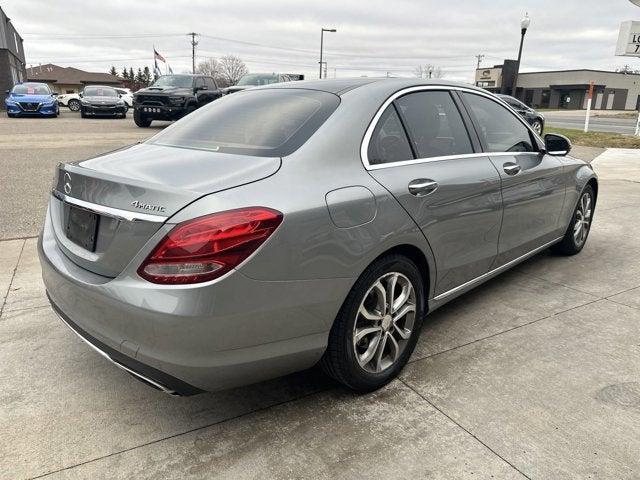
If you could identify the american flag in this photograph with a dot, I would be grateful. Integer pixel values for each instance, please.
(157, 56)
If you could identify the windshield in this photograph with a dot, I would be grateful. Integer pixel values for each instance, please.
(182, 81)
(99, 92)
(258, 79)
(31, 89)
(266, 123)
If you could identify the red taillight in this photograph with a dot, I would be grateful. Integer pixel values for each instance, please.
(208, 247)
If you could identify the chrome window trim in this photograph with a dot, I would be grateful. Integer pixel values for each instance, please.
(110, 211)
(495, 271)
(364, 146)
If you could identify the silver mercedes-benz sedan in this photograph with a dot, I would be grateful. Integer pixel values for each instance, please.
(303, 223)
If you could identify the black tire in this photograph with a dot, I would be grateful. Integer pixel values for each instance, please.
(140, 119)
(82, 114)
(339, 360)
(73, 105)
(570, 245)
(190, 108)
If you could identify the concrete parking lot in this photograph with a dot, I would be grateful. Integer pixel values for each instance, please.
(535, 374)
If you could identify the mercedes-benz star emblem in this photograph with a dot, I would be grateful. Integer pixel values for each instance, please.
(67, 183)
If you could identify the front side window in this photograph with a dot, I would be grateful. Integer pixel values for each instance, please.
(389, 141)
(211, 85)
(434, 124)
(266, 123)
(498, 128)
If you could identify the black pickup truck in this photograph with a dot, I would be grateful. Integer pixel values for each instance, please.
(172, 97)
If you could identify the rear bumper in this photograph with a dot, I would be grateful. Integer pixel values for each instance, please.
(211, 336)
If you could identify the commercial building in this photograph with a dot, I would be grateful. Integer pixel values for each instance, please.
(12, 63)
(564, 88)
(69, 79)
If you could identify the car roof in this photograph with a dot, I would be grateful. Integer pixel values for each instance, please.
(340, 86)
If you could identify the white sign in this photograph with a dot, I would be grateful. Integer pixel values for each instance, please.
(629, 39)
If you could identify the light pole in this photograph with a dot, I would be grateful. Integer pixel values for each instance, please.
(524, 24)
(322, 30)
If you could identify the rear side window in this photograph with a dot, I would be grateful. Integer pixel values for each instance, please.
(211, 85)
(499, 129)
(389, 142)
(434, 124)
(266, 123)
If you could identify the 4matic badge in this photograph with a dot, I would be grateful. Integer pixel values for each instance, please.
(147, 206)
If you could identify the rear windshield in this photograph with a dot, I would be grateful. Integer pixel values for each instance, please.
(265, 123)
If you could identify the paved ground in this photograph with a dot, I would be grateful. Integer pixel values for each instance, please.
(536, 375)
(599, 121)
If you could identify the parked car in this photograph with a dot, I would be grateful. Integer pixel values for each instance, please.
(172, 97)
(300, 223)
(258, 79)
(31, 99)
(70, 100)
(534, 118)
(102, 101)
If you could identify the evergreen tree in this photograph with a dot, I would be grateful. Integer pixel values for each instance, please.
(139, 77)
(113, 71)
(125, 73)
(132, 76)
(146, 74)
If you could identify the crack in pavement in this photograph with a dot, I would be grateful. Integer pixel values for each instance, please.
(410, 387)
(13, 276)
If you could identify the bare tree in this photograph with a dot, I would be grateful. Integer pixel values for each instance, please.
(428, 71)
(232, 68)
(211, 67)
(627, 70)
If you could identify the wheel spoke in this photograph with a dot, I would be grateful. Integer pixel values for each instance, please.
(391, 288)
(370, 351)
(408, 307)
(395, 348)
(402, 298)
(380, 352)
(403, 332)
(371, 316)
(381, 294)
(363, 332)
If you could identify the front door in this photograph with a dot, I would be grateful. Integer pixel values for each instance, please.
(533, 188)
(421, 152)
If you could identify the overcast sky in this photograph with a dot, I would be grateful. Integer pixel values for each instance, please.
(374, 37)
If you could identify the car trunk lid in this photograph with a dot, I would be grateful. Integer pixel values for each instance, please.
(105, 209)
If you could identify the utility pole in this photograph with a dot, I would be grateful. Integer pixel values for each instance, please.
(480, 57)
(193, 51)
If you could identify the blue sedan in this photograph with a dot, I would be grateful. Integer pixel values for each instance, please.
(31, 99)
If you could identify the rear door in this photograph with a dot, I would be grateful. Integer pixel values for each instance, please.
(421, 151)
(533, 187)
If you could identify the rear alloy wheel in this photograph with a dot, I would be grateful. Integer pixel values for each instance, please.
(73, 105)
(537, 127)
(378, 325)
(576, 235)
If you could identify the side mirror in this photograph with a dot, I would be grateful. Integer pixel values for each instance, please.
(80, 94)
(54, 94)
(556, 145)
(7, 92)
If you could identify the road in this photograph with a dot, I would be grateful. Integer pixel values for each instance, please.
(575, 120)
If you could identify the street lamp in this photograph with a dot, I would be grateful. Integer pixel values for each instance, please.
(524, 24)
(322, 30)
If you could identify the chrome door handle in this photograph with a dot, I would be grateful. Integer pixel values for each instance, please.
(422, 186)
(511, 168)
